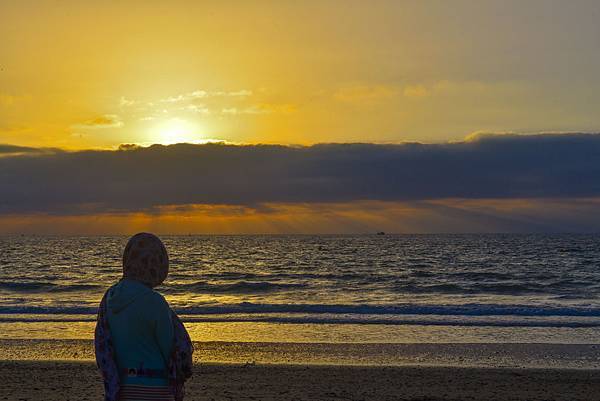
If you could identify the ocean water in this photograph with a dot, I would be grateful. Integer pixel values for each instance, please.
(322, 289)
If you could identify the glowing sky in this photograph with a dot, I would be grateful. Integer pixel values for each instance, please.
(88, 74)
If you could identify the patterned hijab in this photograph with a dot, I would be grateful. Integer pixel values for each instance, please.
(145, 259)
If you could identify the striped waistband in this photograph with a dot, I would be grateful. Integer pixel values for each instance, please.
(130, 392)
(141, 372)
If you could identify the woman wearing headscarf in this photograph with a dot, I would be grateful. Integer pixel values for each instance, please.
(142, 348)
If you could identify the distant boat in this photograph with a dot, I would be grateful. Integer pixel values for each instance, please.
(380, 233)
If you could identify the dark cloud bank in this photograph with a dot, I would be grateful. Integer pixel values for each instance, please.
(498, 166)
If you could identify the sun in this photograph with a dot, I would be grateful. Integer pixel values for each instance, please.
(176, 130)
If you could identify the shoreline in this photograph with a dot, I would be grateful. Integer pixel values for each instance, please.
(466, 355)
(80, 380)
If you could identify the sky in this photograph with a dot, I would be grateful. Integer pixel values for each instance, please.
(428, 87)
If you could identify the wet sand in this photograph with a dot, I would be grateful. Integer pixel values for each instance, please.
(473, 355)
(54, 381)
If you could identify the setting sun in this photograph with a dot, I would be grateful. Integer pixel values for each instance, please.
(176, 130)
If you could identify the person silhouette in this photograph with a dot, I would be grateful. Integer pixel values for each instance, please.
(142, 348)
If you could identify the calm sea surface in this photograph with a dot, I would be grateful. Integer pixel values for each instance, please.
(388, 288)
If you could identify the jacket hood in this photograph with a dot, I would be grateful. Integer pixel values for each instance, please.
(124, 293)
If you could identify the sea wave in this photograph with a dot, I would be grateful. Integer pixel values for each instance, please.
(559, 288)
(238, 287)
(332, 319)
(324, 276)
(476, 310)
(42, 286)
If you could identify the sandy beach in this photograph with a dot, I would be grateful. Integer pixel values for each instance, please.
(64, 381)
(47, 370)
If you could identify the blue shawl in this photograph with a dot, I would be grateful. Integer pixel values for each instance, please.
(180, 362)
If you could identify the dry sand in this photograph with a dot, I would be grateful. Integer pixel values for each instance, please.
(49, 381)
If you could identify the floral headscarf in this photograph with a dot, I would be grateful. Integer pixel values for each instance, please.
(145, 259)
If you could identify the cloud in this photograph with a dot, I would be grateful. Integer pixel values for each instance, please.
(416, 91)
(561, 166)
(129, 146)
(124, 102)
(14, 151)
(238, 93)
(460, 88)
(365, 93)
(105, 121)
(262, 108)
(197, 108)
(198, 102)
(200, 94)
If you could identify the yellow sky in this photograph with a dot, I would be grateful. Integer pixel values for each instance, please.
(96, 74)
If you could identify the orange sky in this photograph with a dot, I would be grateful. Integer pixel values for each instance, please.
(367, 217)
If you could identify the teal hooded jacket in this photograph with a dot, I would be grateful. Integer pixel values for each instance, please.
(142, 331)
